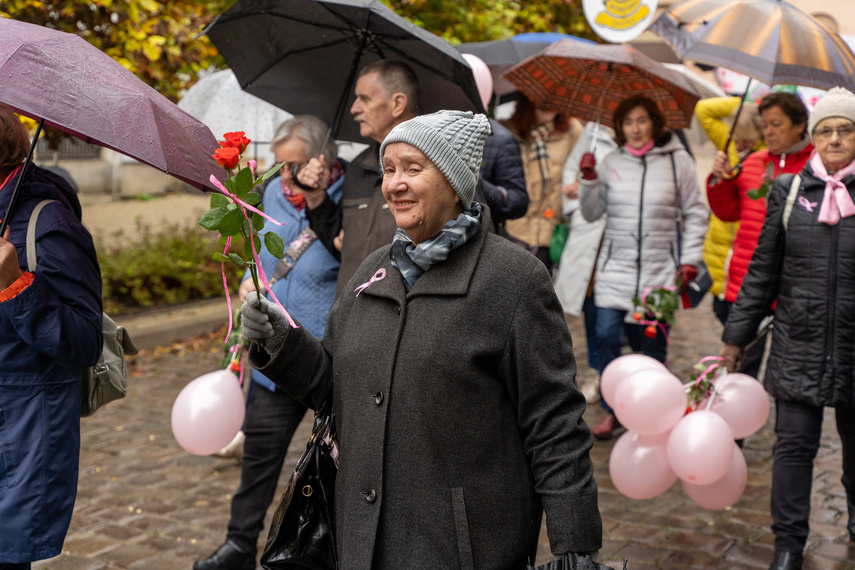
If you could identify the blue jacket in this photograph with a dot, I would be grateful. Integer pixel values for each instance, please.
(48, 333)
(308, 292)
(503, 175)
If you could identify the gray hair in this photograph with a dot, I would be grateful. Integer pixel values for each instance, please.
(312, 131)
(14, 140)
(396, 77)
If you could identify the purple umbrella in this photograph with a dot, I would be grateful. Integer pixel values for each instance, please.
(64, 81)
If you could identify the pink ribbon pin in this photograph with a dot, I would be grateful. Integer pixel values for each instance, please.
(381, 274)
(809, 206)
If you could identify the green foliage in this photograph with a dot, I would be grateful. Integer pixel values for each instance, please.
(659, 304)
(159, 41)
(482, 20)
(164, 267)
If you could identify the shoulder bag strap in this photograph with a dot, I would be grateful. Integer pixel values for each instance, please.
(295, 249)
(678, 211)
(791, 199)
(31, 234)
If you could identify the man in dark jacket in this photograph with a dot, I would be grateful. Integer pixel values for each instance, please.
(50, 329)
(387, 93)
(503, 176)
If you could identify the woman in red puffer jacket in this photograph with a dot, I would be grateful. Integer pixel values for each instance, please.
(739, 195)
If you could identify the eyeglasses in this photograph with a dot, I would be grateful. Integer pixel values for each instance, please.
(842, 132)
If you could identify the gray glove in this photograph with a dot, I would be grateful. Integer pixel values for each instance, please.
(264, 323)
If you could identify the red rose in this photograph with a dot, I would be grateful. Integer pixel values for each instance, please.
(227, 157)
(234, 366)
(637, 316)
(650, 331)
(235, 140)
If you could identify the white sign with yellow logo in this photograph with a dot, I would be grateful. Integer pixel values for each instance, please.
(619, 21)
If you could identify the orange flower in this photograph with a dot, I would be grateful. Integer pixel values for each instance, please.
(650, 331)
(549, 214)
(235, 140)
(637, 316)
(227, 157)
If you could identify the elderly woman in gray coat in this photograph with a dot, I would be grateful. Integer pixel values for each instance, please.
(449, 366)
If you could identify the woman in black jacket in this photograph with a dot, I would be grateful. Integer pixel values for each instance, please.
(805, 259)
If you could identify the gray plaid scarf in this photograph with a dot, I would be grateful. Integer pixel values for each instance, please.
(413, 260)
(539, 136)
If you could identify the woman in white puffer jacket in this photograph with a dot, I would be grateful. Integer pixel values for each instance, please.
(656, 222)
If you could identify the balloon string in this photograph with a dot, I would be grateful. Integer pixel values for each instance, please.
(226, 287)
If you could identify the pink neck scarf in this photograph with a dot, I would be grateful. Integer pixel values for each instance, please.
(639, 152)
(836, 201)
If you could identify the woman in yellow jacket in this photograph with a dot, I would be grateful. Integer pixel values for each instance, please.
(747, 138)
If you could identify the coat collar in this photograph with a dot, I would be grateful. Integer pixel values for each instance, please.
(450, 277)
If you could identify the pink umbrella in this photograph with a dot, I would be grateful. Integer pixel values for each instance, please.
(61, 80)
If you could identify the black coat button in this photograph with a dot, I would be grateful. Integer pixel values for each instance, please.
(378, 398)
(370, 496)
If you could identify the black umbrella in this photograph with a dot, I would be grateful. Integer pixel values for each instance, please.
(500, 56)
(303, 55)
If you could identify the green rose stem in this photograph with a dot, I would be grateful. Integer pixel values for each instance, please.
(236, 211)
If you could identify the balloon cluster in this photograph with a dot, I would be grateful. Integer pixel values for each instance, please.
(685, 432)
(208, 412)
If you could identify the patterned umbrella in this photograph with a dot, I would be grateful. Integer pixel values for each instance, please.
(769, 40)
(588, 81)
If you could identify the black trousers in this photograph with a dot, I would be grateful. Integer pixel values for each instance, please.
(15, 566)
(271, 420)
(798, 429)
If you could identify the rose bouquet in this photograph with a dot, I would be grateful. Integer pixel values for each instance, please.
(237, 215)
(655, 308)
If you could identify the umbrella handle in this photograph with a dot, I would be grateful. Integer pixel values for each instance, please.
(16, 191)
(736, 117)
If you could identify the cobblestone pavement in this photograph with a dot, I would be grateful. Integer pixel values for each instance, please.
(144, 503)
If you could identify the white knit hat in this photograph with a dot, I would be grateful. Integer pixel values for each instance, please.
(838, 102)
(452, 140)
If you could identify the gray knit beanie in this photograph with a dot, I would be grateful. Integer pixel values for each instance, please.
(452, 140)
(838, 102)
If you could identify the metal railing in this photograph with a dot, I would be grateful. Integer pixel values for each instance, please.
(69, 149)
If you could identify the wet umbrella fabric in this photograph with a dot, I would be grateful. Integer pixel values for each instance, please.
(303, 55)
(75, 87)
(588, 81)
(769, 40)
(501, 55)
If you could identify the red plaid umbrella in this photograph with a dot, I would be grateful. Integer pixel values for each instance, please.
(588, 81)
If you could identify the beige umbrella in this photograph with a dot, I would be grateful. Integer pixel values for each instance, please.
(769, 40)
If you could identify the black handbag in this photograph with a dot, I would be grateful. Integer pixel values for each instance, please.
(302, 532)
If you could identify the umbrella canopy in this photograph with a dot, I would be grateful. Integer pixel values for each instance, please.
(769, 40)
(218, 101)
(73, 86)
(702, 85)
(501, 55)
(588, 81)
(302, 56)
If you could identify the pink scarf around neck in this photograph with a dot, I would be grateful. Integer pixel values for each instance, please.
(639, 152)
(836, 201)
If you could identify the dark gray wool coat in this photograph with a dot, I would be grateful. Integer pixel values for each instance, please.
(810, 269)
(457, 412)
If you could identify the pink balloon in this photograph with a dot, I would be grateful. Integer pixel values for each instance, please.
(208, 412)
(742, 402)
(725, 491)
(650, 401)
(483, 77)
(700, 448)
(620, 368)
(638, 465)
